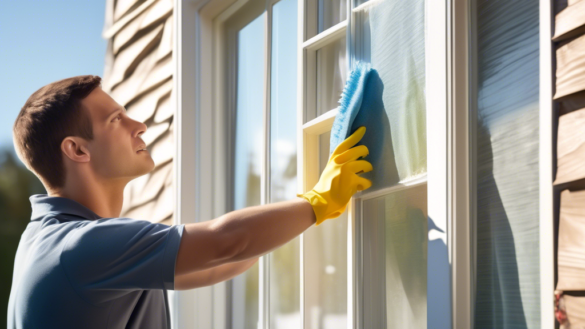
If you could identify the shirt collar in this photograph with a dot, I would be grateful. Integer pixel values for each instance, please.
(43, 204)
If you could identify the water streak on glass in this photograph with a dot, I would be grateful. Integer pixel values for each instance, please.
(285, 261)
(325, 267)
(507, 137)
(392, 38)
(248, 151)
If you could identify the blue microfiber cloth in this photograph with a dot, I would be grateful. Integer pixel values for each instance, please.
(349, 104)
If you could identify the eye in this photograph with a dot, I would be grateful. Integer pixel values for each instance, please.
(118, 117)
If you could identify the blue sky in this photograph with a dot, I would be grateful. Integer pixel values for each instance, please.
(42, 42)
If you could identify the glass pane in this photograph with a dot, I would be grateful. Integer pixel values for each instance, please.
(392, 39)
(331, 76)
(248, 154)
(325, 268)
(395, 284)
(285, 261)
(507, 279)
(331, 12)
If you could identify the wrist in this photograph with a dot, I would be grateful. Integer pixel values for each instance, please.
(318, 204)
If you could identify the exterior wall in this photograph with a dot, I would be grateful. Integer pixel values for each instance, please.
(569, 119)
(139, 75)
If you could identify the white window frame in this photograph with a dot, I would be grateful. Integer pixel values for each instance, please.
(546, 228)
(200, 84)
(460, 173)
(437, 133)
(448, 144)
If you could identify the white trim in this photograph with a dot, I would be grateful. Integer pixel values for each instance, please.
(321, 124)
(182, 314)
(355, 236)
(326, 37)
(545, 169)
(439, 58)
(459, 163)
(413, 182)
(202, 308)
(351, 258)
(300, 140)
(351, 215)
(365, 5)
(264, 268)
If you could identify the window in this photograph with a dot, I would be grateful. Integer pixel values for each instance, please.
(392, 242)
(260, 58)
(267, 75)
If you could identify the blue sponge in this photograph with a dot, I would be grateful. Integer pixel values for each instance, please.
(349, 104)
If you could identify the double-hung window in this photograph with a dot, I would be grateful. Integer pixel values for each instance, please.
(280, 69)
(268, 76)
(392, 253)
(444, 124)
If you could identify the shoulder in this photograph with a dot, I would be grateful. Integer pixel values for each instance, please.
(110, 238)
(120, 252)
(107, 233)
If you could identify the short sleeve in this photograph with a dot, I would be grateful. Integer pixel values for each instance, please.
(111, 256)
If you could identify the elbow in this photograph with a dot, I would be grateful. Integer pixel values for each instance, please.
(234, 237)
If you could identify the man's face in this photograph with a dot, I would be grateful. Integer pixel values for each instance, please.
(114, 150)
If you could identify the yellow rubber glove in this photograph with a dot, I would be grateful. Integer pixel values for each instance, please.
(339, 180)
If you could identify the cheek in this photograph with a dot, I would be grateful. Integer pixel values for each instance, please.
(110, 146)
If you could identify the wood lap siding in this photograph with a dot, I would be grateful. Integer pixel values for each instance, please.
(570, 21)
(138, 74)
(570, 75)
(571, 255)
(569, 96)
(571, 147)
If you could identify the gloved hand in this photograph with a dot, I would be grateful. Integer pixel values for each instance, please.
(339, 180)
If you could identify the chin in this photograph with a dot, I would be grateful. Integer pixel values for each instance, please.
(150, 167)
(145, 168)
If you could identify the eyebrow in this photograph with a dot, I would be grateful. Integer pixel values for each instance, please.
(116, 111)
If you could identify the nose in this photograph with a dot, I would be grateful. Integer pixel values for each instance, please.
(140, 128)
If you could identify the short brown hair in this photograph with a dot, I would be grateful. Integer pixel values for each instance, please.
(49, 115)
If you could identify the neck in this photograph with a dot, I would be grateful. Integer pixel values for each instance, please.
(105, 198)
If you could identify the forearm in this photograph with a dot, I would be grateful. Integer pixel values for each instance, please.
(261, 229)
(213, 275)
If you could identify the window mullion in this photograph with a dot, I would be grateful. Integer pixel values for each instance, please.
(301, 61)
(264, 270)
(351, 218)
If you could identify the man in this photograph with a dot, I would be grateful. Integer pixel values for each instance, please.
(79, 265)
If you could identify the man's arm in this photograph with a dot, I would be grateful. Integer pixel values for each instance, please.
(242, 234)
(213, 275)
(254, 231)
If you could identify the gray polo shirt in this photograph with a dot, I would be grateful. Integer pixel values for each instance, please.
(75, 269)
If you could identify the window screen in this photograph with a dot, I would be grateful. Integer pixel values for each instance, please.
(506, 138)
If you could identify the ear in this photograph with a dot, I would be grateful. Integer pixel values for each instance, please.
(75, 148)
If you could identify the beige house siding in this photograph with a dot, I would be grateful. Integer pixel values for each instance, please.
(138, 74)
(569, 42)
